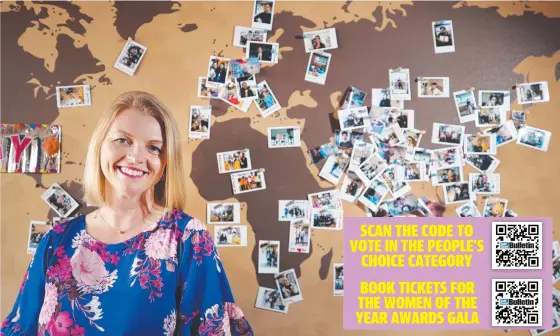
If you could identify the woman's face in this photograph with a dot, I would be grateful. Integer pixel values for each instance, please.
(131, 153)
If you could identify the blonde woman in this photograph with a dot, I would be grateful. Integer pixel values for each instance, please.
(138, 265)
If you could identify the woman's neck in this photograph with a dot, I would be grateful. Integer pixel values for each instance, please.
(125, 213)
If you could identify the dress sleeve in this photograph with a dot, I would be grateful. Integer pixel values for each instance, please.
(24, 317)
(205, 301)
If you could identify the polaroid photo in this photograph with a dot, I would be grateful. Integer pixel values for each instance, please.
(382, 211)
(326, 219)
(403, 205)
(218, 70)
(413, 137)
(242, 68)
(230, 235)
(480, 144)
(419, 155)
(433, 87)
(318, 67)
(200, 120)
(555, 271)
(505, 133)
(492, 98)
(382, 98)
(484, 184)
(130, 57)
(399, 84)
(37, 230)
(519, 115)
(534, 138)
(412, 172)
(60, 201)
(392, 136)
(396, 188)
(371, 168)
(329, 199)
(230, 95)
(322, 152)
(266, 100)
(299, 240)
(354, 98)
(206, 92)
(284, 137)
(531, 93)
(73, 96)
(352, 187)
(442, 34)
(390, 117)
(494, 207)
(246, 88)
(457, 193)
(468, 209)
(431, 208)
(338, 279)
(466, 106)
(555, 326)
(447, 175)
(346, 139)
(353, 118)
(374, 193)
(265, 52)
(510, 213)
(242, 35)
(334, 167)
(490, 116)
(223, 213)
(289, 210)
(555, 295)
(263, 14)
(392, 155)
(234, 161)
(269, 299)
(248, 181)
(319, 40)
(556, 254)
(446, 134)
(483, 163)
(288, 286)
(446, 157)
(269, 256)
(361, 152)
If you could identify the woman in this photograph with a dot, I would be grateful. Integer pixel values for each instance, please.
(138, 265)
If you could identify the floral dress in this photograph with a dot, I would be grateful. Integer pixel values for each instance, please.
(165, 281)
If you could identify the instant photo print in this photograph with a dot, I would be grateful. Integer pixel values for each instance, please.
(490, 116)
(200, 122)
(447, 175)
(484, 184)
(361, 152)
(242, 35)
(73, 96)
(338, 279)
(329, 199)
(374, 193)
(433, 87)
(334, 167)
(247, 88)
(446, 134)
(532, 93)
(270, 299)
(480, 144)
(326, 219)
(354, 98)
(468, 209)
(447, 157)
(289, 210)
(490, 98)
(243, 68)
(353, 118)
(352, 187)
(269, 256)
(230, 236)
(534, 138)
(130, 57)
(399, 80)
(218, 71)
(371, 168)
(299, 240)
(248, 181)
(455, 193)
(288, 286)
(318, 40)
(495, 207)
(30, 148)
(229, 94)
(505, 133)
(205, 91)
(382, 98)
(483, 163)
(466, 106)
(234, 161)
(263, 14)
(223, 213)
(403, 205)
(322, 152)
(263, 51)
(442, 33)
(59, 200)
(37, 230)
(284, 137)
(396, 188)
(266, 100)
(317, 67)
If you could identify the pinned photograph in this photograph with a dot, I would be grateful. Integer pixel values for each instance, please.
(263, 14)
(468, 209)
(206, 92)
(247, 181)
(447, 175)
(430, 208)
(490, 116)
(532, 93)
(318, 67)
(403, 205)
(556, 254)
(299, 236)
(488, 98)
(392, 136)
(242, 35)
(289, 210)
(269, 256)
(392, 155)
(246, 88)
(200, 122)
(317, 40)
(412, 172)
(338, 279)
(322, 152)
(505, 133)
(354, 98)
(433, 87)
(446, 134)
(229, 94)
(73, 96)
(234, 161)
(382, 211)
(288, 285)
(284, 137)
(420, 155)
(353, 118)
(480, 144)
(223, 213)
(263, 51)
(266, 101)
(382, 98)
(328, 199)
(447, 157)
(442, 33)
(483, 163)
(484, 184)
(37, 230)
(326, 219)
(457, 193)
(390, 117)
(230, 236)
(130, 57)
(361, 152)
(396, 188)
(413, 137)
(371, 168)
(352, 187)
(334, 167)
(534, 138)
(30, 148)
(269, 299)
(495, 207)
(399, 80)
(465, 103)
(346, 139)
(518, 115)
(218, 71)
(244, 67)
(59, 200)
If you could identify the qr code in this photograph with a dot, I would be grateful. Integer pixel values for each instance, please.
(517, 302)
(517, 245)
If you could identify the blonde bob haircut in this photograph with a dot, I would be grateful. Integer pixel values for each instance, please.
(170, 190)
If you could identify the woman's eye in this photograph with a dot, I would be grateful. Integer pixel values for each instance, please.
(122, 141)
(154, 149)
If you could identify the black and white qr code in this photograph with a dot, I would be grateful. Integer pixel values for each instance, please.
(517, 302)
(517, 245)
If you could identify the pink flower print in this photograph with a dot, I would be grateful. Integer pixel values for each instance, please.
(49, 303)
(195, 224)
(60, 325)
(233, 311)
(88, 268)
(161, 245)
(77, 331)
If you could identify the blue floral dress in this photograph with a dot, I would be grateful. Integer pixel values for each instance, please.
(165, 281)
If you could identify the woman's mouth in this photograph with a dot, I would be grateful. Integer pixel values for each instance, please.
(131, 172)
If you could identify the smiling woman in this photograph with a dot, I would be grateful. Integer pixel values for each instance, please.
(139, 245)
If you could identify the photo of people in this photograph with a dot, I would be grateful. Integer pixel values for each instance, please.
(484, 184)
(480, 144)
(326, 219)
(130, 57)
(325, 200)
(443, 36)
(371, 168)
(284, 137)
(505, 133)
(72, 96)
(338, 279)
(204, 91)
(448, 175)
(468, 209)
(351, 187)
(263, 51)
(247, 87)
(382, 98)
(37, 230)
(269, 299)
(518, 115)
(447, 134)
(242, 35)
(230, 236)
(466, 105)
(374, 194)
(399, 80)
(269, 256)
(483, 163)
(403, 205)
(392, 116)
(534, 138)
(345, 139)
(288, 286)
(490, 116)
(223, 213)
(233, 161)
(322, 152)
(414, 172)
(299, 236)
(456, 192)
(530, 93)
(263, 14)
(353, 98)
(494, 207)
(266, 101)
(289, 210)
(59, 200)
(200, 122)
(431, 208)
(218, 70)
(353, 118)
(318, 67)
(247, 181)
(320, 40)
(433, 87)
(494, 99)
(229, 94)
(334, 167)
